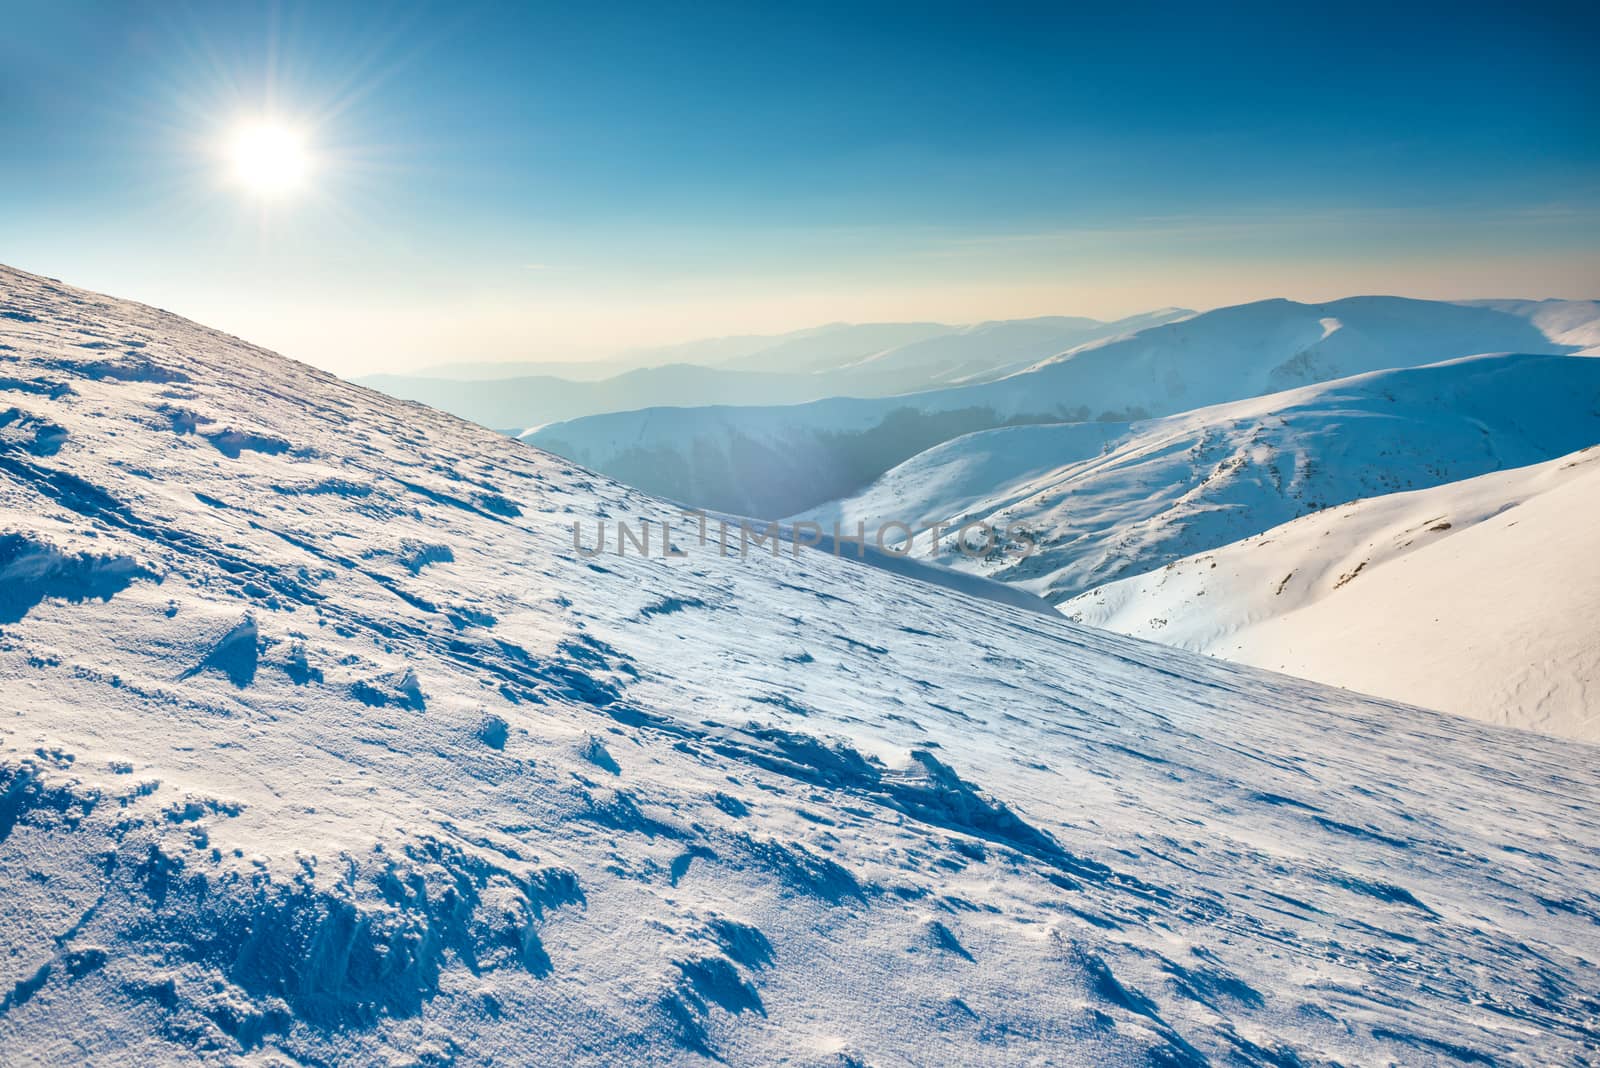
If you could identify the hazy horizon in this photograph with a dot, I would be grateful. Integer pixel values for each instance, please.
(574, 363)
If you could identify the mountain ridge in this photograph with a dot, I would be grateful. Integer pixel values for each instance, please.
(1104, 501)
(838, 360)
(775, 461)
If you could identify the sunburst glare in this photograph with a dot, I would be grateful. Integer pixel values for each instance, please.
(269, 157)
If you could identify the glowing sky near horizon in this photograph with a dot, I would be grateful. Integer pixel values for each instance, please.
(558, 182)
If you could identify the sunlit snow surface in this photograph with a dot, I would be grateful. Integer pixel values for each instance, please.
(1476, 597)
(320, 743)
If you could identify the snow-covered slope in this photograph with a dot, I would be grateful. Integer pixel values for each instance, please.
(782, 460)
(322, 744)
(1568, 322)
(1103, 501)
(1480, 596)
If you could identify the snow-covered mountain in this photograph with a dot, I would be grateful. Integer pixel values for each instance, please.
(1574, 323)
(776, 461)
(974, 353)
(1103, 501)
(1479, 596)
(842, 360)
(896, 357)
(320, 742)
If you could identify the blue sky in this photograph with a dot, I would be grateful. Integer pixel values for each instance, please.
(558, 181)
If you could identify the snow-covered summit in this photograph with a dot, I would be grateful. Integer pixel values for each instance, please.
(321, 743)
(1106, 501)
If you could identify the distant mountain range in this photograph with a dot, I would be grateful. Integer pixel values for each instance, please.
(841, 359)
(781, 460)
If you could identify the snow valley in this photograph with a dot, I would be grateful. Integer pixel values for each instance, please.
(1080, 477)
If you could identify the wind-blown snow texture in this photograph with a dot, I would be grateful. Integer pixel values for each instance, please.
(321, 744)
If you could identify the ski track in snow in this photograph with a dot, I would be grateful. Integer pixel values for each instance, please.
(320, 743)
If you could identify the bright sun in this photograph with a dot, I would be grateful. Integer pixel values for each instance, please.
(269, 157)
